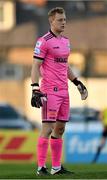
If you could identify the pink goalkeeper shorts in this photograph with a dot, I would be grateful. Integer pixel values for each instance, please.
(56, 108)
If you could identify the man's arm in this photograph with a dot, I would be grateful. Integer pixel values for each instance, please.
(71, 75)
(37, 95)
(80, 86)
(35, 72)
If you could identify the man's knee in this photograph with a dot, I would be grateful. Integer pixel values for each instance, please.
(59, 130)
(47, 129)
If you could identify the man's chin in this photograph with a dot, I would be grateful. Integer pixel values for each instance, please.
(62, 30)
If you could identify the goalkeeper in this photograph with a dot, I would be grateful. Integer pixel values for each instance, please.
(51, 63)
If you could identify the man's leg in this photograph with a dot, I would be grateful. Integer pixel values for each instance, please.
(42, 146)
(56, 143)
(48, 121)
(99, 150)
(100, 147)
(49, 114)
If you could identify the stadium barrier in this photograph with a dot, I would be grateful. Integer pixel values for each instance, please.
(18, 146)
(81, 142)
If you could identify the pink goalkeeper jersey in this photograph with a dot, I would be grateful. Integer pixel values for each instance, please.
(54, 52)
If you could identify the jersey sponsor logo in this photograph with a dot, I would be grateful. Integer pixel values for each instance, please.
(60, 60)
(38, 44)
(37, 51)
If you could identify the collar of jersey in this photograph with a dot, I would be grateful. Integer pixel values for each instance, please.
(59, 37)
(52, 33)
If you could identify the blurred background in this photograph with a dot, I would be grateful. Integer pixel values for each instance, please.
(21, 22)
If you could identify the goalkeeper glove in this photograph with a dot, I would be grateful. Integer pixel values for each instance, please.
(37, 96)
(81, 88)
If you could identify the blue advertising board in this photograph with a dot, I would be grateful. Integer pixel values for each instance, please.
(81, 142)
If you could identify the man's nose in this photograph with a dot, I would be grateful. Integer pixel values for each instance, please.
(64, 21)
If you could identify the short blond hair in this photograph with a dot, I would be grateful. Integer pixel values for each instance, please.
(53, 11)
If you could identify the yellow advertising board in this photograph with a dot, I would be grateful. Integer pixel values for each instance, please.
(18, 145)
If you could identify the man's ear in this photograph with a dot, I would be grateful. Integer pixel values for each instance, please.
(50, 20)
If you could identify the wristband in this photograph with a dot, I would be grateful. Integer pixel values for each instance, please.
(75, 81)
(35, 86)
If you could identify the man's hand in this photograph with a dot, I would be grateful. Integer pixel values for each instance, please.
(37, 96)
(83, 91)
(81, 88)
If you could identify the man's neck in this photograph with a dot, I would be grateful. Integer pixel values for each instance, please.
(56, 33)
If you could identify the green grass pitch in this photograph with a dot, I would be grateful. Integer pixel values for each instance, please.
(27, 171)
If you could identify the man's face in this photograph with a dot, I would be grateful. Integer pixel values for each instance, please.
(58, 22)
